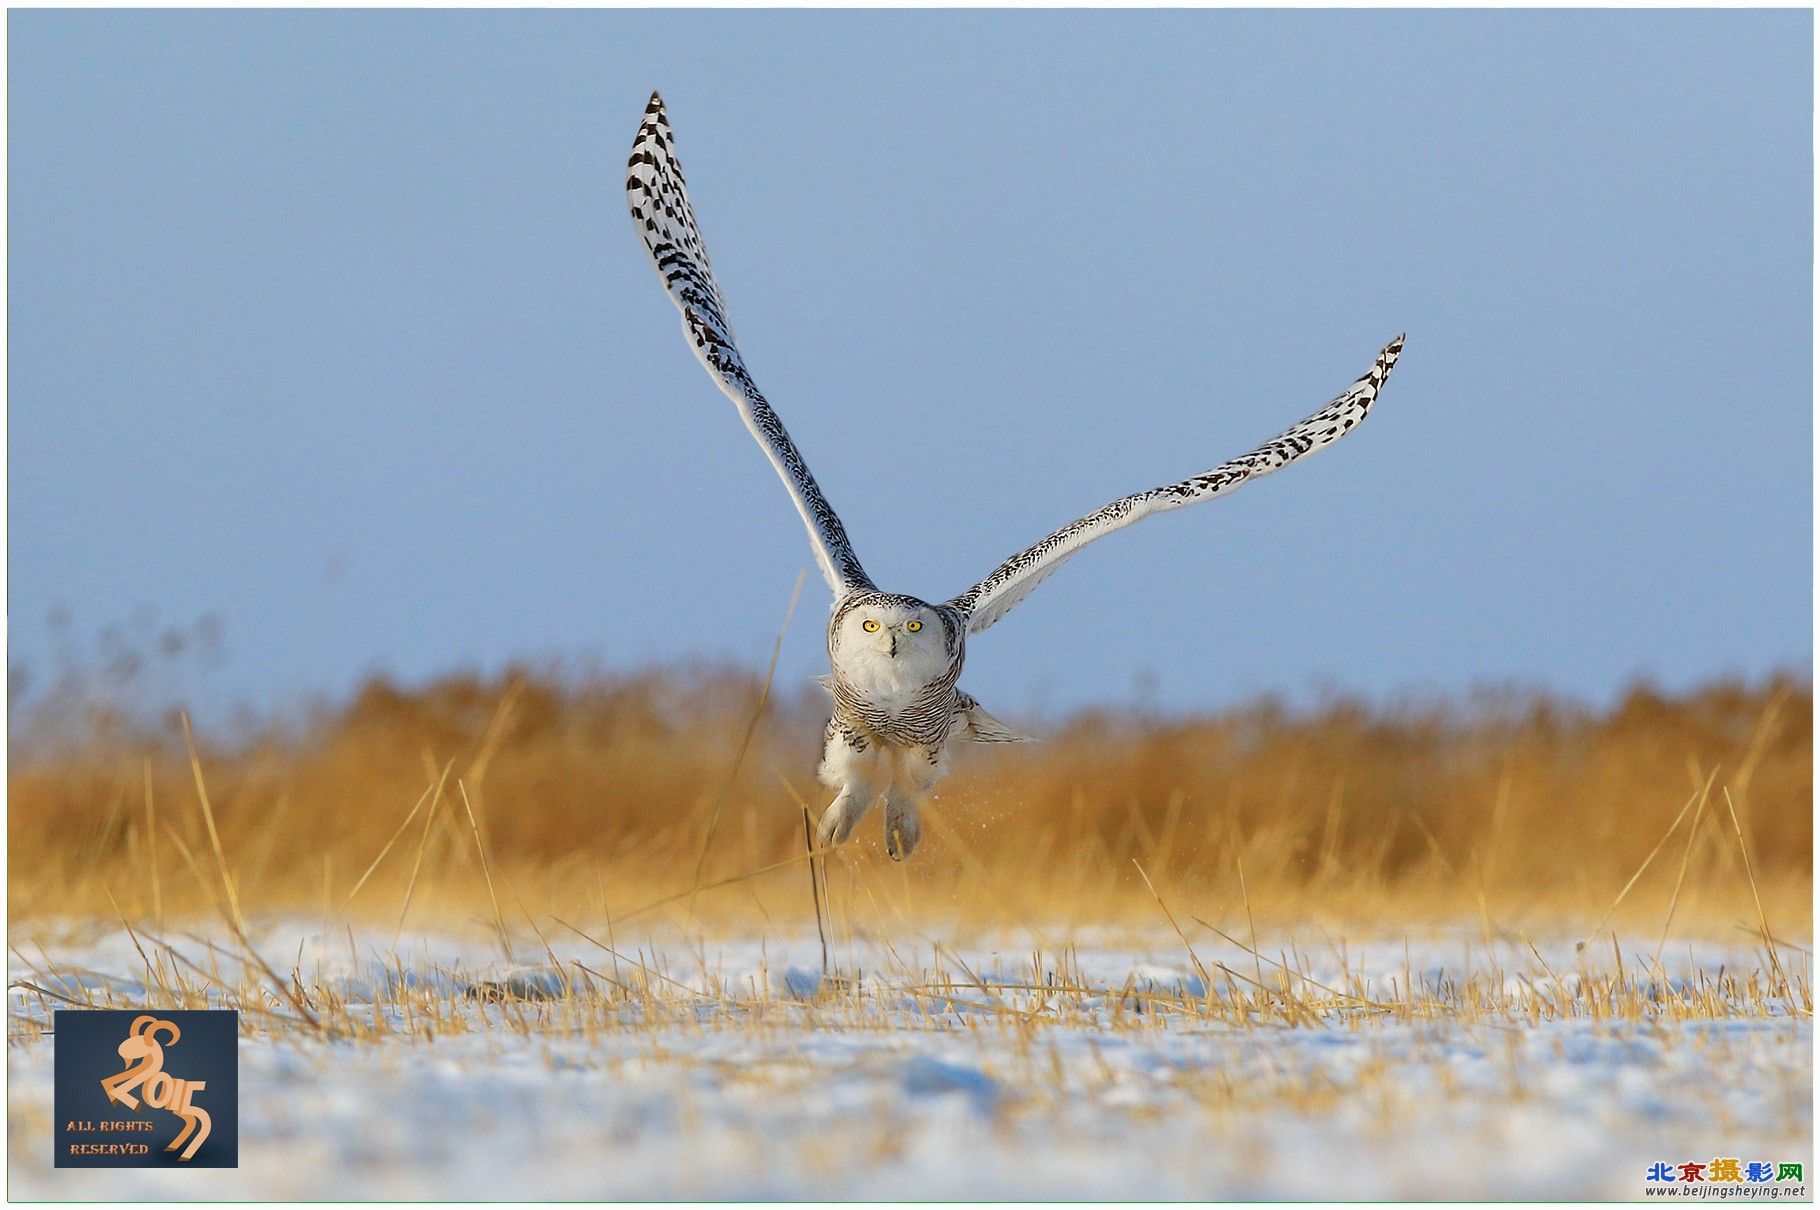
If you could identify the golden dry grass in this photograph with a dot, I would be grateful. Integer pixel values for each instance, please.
(592, 798)
(327, 879)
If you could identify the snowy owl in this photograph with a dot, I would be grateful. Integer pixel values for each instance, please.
(896, 659)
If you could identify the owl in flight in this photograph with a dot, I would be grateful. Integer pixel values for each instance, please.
(896, 659)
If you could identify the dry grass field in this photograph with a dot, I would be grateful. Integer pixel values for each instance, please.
(542, 936)
(603, 796)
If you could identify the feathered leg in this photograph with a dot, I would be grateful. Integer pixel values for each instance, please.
(918, 769)
(854, 765)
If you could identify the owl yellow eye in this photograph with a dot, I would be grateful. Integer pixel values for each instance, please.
(870, 626)
(913, 627)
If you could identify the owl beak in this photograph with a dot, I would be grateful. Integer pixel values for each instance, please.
(893, 651)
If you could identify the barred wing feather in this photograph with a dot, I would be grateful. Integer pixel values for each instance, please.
(666, 223)
(1013, 580)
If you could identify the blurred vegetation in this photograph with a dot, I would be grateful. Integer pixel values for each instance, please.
(593, 794)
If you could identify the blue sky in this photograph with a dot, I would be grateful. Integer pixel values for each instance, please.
(332, 324)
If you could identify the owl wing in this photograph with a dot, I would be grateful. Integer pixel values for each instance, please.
(993, 597)
(666, 223)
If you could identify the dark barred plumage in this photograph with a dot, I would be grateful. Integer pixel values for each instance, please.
(659, 201)
(1012, 580)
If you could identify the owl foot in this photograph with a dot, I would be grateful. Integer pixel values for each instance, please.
(843, 815)
(902, 831)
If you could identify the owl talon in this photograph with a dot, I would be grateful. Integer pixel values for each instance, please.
(902, 832)
(844, 813)
(833, 829)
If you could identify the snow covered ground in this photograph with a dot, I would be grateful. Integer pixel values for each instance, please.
(1106, 1065)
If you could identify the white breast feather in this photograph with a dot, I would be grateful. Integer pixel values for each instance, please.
(889, 682)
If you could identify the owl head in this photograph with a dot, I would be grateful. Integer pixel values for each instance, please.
(886, 630)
